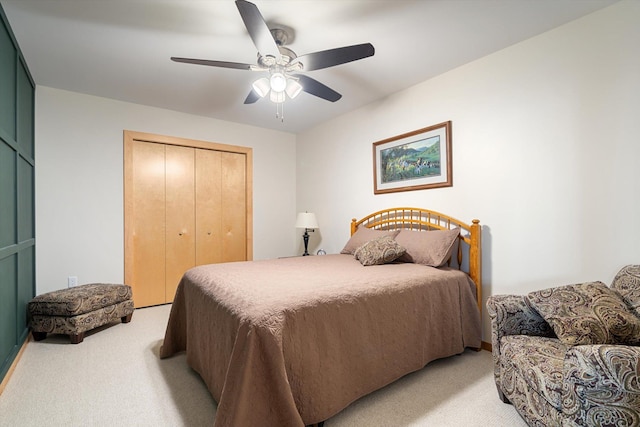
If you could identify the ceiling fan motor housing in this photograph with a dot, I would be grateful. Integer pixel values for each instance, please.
(282, 36)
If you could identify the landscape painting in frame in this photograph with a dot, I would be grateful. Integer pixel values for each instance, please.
(413, 161)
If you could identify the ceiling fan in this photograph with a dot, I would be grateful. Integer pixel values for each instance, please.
(282, 64)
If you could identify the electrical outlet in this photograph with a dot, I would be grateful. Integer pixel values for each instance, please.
(72, 281)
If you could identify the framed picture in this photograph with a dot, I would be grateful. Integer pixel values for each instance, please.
(413, 161)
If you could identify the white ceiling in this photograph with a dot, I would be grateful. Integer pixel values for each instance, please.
(120, 49)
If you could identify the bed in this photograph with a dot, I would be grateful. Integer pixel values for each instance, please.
(293, 341)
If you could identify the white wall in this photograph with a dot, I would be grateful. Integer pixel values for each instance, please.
(79, 182)
(545, 154)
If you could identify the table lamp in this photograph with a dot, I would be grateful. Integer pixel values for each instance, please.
(307, 221)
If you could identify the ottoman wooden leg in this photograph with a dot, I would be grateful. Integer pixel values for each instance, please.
(76, 339)
(127, 318)
(38, 336)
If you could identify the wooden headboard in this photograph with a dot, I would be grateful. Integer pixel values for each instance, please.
(469, 256)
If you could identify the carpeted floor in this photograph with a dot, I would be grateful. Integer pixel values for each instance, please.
(115, 378)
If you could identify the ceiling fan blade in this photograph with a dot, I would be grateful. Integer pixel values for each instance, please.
(316, 88)
(257, 28)
(332, 57)
(252, 97)
(223, 64)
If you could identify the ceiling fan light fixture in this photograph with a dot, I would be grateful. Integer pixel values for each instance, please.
(261, 86)
(293, 88)
(277, 97)
(278, 82)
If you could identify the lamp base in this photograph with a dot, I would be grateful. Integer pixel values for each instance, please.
(305, 237)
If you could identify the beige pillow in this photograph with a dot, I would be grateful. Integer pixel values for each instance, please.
(381, 250)
(587, 313)
(432, 248)
(363, 235)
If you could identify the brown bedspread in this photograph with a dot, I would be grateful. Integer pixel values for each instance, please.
(293, 341)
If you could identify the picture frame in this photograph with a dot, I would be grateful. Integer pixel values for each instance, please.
(417, 160)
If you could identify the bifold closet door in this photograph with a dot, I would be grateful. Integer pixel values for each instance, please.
(147, 216)
(208, 188)
(164, 220)
(234, 214)
(221, 206)
(184, 206)
(180, 254)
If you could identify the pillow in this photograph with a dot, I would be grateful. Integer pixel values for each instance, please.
(627, 283)
(380, 250)
(432, 248)
(363, 235)
(587, 313)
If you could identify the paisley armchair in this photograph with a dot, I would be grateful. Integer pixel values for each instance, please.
(570, 355)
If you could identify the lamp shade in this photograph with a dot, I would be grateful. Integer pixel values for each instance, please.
(306, 220)
(261, 86)
(293, 88)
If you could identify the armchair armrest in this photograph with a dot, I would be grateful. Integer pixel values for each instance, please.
(602, 382)
(512, 315)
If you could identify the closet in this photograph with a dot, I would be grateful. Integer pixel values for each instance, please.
(187, 203)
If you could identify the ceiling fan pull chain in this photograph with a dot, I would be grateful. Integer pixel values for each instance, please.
(280, 111)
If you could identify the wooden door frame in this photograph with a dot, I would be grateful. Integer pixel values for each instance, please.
(129, 138)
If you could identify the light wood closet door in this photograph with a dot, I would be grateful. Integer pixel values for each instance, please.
(208, 187)
(147, 223)
(221, 206)
(184, 206)
(163, 220)
(180, 253)
(233, 217)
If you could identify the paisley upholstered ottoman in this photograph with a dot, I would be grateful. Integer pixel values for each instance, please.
(74, 311)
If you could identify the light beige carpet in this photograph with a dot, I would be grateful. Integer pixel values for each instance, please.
(115, 378)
